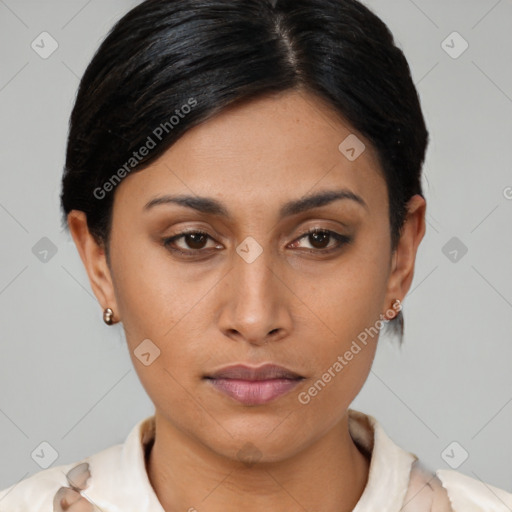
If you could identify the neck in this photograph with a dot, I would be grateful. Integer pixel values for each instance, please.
(329, 475)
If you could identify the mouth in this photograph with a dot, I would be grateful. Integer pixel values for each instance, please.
(244, 372)
(254, 386)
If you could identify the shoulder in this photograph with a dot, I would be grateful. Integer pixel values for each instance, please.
(471, 494)
(110, 480)
(35, 491)
(425, 491)
(402, 479)
(452, 491)
(58, 487)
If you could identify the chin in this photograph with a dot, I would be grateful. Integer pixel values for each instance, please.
(261, 442)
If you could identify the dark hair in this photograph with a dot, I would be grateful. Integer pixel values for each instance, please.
(169, 65)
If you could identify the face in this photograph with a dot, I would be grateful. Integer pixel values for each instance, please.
(254, 287)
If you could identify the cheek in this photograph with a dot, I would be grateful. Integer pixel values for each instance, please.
(346, 307)
(338, 382)
(347, 299)
(159, 302)
(151, 292)
(346, 317)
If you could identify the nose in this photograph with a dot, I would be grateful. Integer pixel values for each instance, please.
(256, 305)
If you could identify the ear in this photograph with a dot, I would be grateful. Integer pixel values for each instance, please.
(404, 256)
(95, 261)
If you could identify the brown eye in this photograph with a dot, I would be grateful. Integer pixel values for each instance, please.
(193, 242)
(319, 239)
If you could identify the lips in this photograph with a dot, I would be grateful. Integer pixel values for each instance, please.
(254, 386)
(265, 372)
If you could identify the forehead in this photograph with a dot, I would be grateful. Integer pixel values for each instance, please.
(266, 151)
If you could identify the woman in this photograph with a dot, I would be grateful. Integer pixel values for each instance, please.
(243, 185)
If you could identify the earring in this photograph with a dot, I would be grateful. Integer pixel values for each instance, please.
(397, 306)
(107, 316)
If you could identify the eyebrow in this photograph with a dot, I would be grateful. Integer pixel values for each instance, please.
(211, 206)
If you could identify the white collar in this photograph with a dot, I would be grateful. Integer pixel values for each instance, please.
(390, 465)
(119, 481)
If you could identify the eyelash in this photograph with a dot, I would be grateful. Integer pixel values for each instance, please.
(340, 239)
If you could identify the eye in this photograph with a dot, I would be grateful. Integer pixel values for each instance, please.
(320, 238)
(195, 241)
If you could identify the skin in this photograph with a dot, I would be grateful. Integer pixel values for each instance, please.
(287, 307)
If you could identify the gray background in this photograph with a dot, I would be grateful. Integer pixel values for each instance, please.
(67, 379)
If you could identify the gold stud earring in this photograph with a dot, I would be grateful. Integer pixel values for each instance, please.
(108, 316)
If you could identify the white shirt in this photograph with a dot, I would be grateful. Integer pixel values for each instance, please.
(115, 480)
